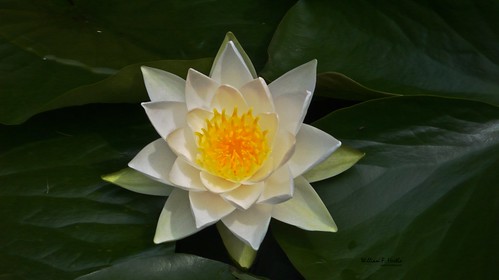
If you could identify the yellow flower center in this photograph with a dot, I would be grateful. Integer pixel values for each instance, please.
(233, 147)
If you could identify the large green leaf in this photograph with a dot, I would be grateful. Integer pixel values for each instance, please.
(446, 48)
(177, 266)
(422, 204)
(50, 47)
(58, 218)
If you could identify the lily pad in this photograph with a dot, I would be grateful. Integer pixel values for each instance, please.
(422, 203)
(444, 48)
(51, 47)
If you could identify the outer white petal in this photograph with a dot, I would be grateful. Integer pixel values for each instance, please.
(217, 184)
(166, 116)
(244, 196)
(312, 147)
(208, 208)
(185, 176)
(163, 86)
(156, 159)
(305, 210)
(230, 68)
(176, 220)
(300, 79)
(257, 95)
(228, 97)
(199, 90)
(182, 143)
(279, 187)
(197, 119)
(250, 225)
(292, 109)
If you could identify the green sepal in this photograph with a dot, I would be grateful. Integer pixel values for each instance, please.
(241, 253)
(230, 37)
(135, 181)
(339, 161)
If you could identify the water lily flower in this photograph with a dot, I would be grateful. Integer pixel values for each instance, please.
(234, 148)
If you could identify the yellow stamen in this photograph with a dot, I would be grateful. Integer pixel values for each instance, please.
(231, 146)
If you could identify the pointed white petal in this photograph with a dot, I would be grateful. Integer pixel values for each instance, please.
(176, 220)
(216, 184)
(284, 147)
(183, 144)
(300, 79)
(155, 160)
(227, 98)
(278, 187)
(230, 68)
(250, 225)
(257, 95)
(230, 37)
(199, 90)
(305, 210)
(292, 109)
(166, 116)
(244, 196)
(186, 176)
(197, 119)
(312, 147)
(162, 85)
(209, 208)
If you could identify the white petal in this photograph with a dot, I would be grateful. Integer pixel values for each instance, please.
(183, 144)
(300, 79)
(292, 109)
(269, 122)
(228, 98)
(199, 90)
(282, 150)
(166, 116)
(197, 119)
(208, 208)
(185, 176)
(278, 187)
(305, 210)
(176, 220)
(250, 225)
(156, 159)
(312, 147)
(244, 196)
(257, 95)
(230, 68)
(162, 85)
(217, 184)
(262, 173)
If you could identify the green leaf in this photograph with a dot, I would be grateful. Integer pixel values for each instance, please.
(423, 202)
(338, 162)
(337, 85)
(133, 180)
(59, 219)
(127, 85)
(176, 266)
(445, 48)
(239, 251)
(48, 48)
